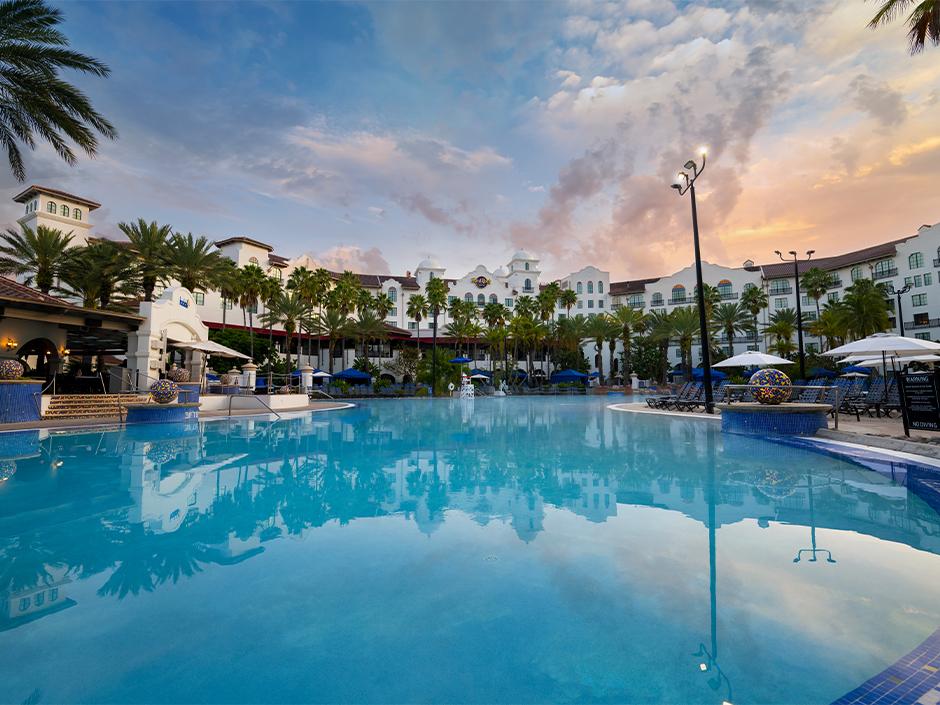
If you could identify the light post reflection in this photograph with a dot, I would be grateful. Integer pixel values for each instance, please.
(812, 529)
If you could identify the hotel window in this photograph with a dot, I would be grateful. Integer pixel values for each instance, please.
(50, 207)
(580, 304)
(779, 286)
(431, 325)
(394, 311)
(657, 300)
(481, 300)
(678, 293)
(809, 301)
(528, 285)
(200, 298)
(922, 336)
(600, 303)
(833, 297)
(578, 290)
(226, 304)
(636, 300)
(921, 319)
(600, 287)
(752, 347)
(590, 303)
(158, 291)
(590, 287)
(412, 325)
(253, 260)
(393, 295)
(916, 260)
(53, 594)
(24, 604)
(856, 274)
(527, 266)
(780, 303)
(278, 274)
(919, 299)
(724, 288)
(253, 309)
(678, 352)
(468, 297)
(40, 598)
(451, 299)
(908, 281)
(508, 303)
(64, 211)
(928, 279)
(493, 299)
(884, 268)
(77, 214)
(918, 281)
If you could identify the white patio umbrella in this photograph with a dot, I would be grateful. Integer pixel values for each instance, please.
(873, 361)
(884, 343)
(321, 373)
(752, 358)
(207, 346)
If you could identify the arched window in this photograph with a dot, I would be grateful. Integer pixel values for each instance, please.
(528, 285)
(857, 274)
(678, 293)
(636, 300)
(393, 294)
(527, 266)
(481, 300)
(77, 214)
(884, 268)
(64, 211)
(590, 287)
(50, 207)
(579, 288)
(253, 260)
(600, 287)
(657, 299)
(493, 299)
(916, 260)
(724, 288)
(468, 297)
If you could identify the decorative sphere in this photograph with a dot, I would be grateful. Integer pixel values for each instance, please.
(7, 469)
(10, 369)
(164, 391)
(178, 374)
(227, 379)
(777, 484)
(284, 390)
(763, 383)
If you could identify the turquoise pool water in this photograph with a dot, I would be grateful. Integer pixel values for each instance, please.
(515, 550)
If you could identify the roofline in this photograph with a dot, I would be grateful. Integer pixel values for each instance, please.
(66, 307)
(246, 240)
(24, 196)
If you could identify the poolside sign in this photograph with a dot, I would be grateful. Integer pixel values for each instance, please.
(920, 402)
(481, 282)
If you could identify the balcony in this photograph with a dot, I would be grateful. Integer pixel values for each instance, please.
(936, 262)
(781, 290)
(528, 290)
(885, 273)
(683, 300)
(636, 304)
(725, 295)
(931, 323)
(836, 282)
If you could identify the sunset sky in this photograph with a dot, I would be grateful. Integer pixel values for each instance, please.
(374, 135)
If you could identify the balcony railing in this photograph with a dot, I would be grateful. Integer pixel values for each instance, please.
(683, 300)
(528, 290)
(932, 323)
(781, 290)
(885, 273)
(836, 282)
(728, 295)
(636, 304)
(936, 262)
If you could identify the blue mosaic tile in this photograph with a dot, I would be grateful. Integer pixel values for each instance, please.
(18, 402)
(770, 423)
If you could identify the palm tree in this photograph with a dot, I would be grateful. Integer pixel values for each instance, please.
(553, 291)
(659, 327)
(369, 327)
(269, 292)
(782, 326)
(41, 253)
(683, 329)
(291, 311)
(436, 292)
(149, 241)
(829, 326)
(229, 285)
(731, 319)
(754, 299)
(36, 101)
(334, 325)
(816, 282)
(629, 320)
(568, 299)
(253, 283)
(100, 272)
(865, 309)
(924, 21)
(598, 328)
(194, 264)
(418, 310)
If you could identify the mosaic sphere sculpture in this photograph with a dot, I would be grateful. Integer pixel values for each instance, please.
(163, 451)
(227, 379)
(777, 484)
(7, 469)
(10, 369)
(284, 390)
(178, 374)
(164, 391)
(762, 386)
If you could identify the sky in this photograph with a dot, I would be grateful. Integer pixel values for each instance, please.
(374, 135)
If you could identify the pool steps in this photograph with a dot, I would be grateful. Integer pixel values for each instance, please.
(89, 406)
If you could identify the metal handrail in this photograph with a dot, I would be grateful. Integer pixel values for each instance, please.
(37, 395)
(317, 390)
(250, 396)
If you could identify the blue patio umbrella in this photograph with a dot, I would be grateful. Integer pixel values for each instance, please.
(820, 372)
(594, 375)
(698, 375)
(569, 376)
(213, 378)
(352, 376)
(481, 372)
(518, 373)
(856, 368)
(461, 360)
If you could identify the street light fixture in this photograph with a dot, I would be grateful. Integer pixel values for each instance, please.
(685, 184)
(900, 292)
(799, 309)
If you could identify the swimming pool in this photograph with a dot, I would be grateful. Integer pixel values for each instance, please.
(502, 550)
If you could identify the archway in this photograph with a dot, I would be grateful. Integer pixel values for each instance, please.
(40, 357)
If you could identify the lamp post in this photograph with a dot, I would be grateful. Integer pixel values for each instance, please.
(689, 185)
(799, 309)
(900, 292)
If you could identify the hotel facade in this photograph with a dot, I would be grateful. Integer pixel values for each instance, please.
(912, 261)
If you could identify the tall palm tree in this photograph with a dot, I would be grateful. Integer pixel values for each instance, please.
(418, 310)
(370, 326)
(755, 299)
(228, 282)
(40, 253)
(334, 325)
(291, 311)
(36, 101)
(598, 328)
(629, 320)
(149, 241)
(683, 329)
(731, 319)
(100, 273)
(436, 293)
(194, 264)
(660, 333)
(568, 299)
(829, 326)
(865, 309)
(253, 284)
(318, 285)
(553, 291)
(924, 21)
(816, 282)
(269, 292)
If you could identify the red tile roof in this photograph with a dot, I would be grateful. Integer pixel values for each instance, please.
(29, 193)
(15, 290)
(877, 252)
(244, 240)
(635, 286)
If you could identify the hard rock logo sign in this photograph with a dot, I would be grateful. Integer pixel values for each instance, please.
(481, 282)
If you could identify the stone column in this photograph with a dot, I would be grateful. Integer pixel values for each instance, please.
(249, 375)
(634, 381)
(306, 377)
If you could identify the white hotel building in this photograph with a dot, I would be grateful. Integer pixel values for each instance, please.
(913, 260)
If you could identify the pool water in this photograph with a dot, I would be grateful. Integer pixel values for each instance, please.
(498, 550)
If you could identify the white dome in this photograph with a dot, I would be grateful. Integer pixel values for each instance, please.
(501, 272)
(429, 264)
(522, 254)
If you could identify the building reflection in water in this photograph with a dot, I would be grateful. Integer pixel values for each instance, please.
(144, 512)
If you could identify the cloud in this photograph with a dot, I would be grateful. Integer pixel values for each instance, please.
(879, 101)
(355, 259)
